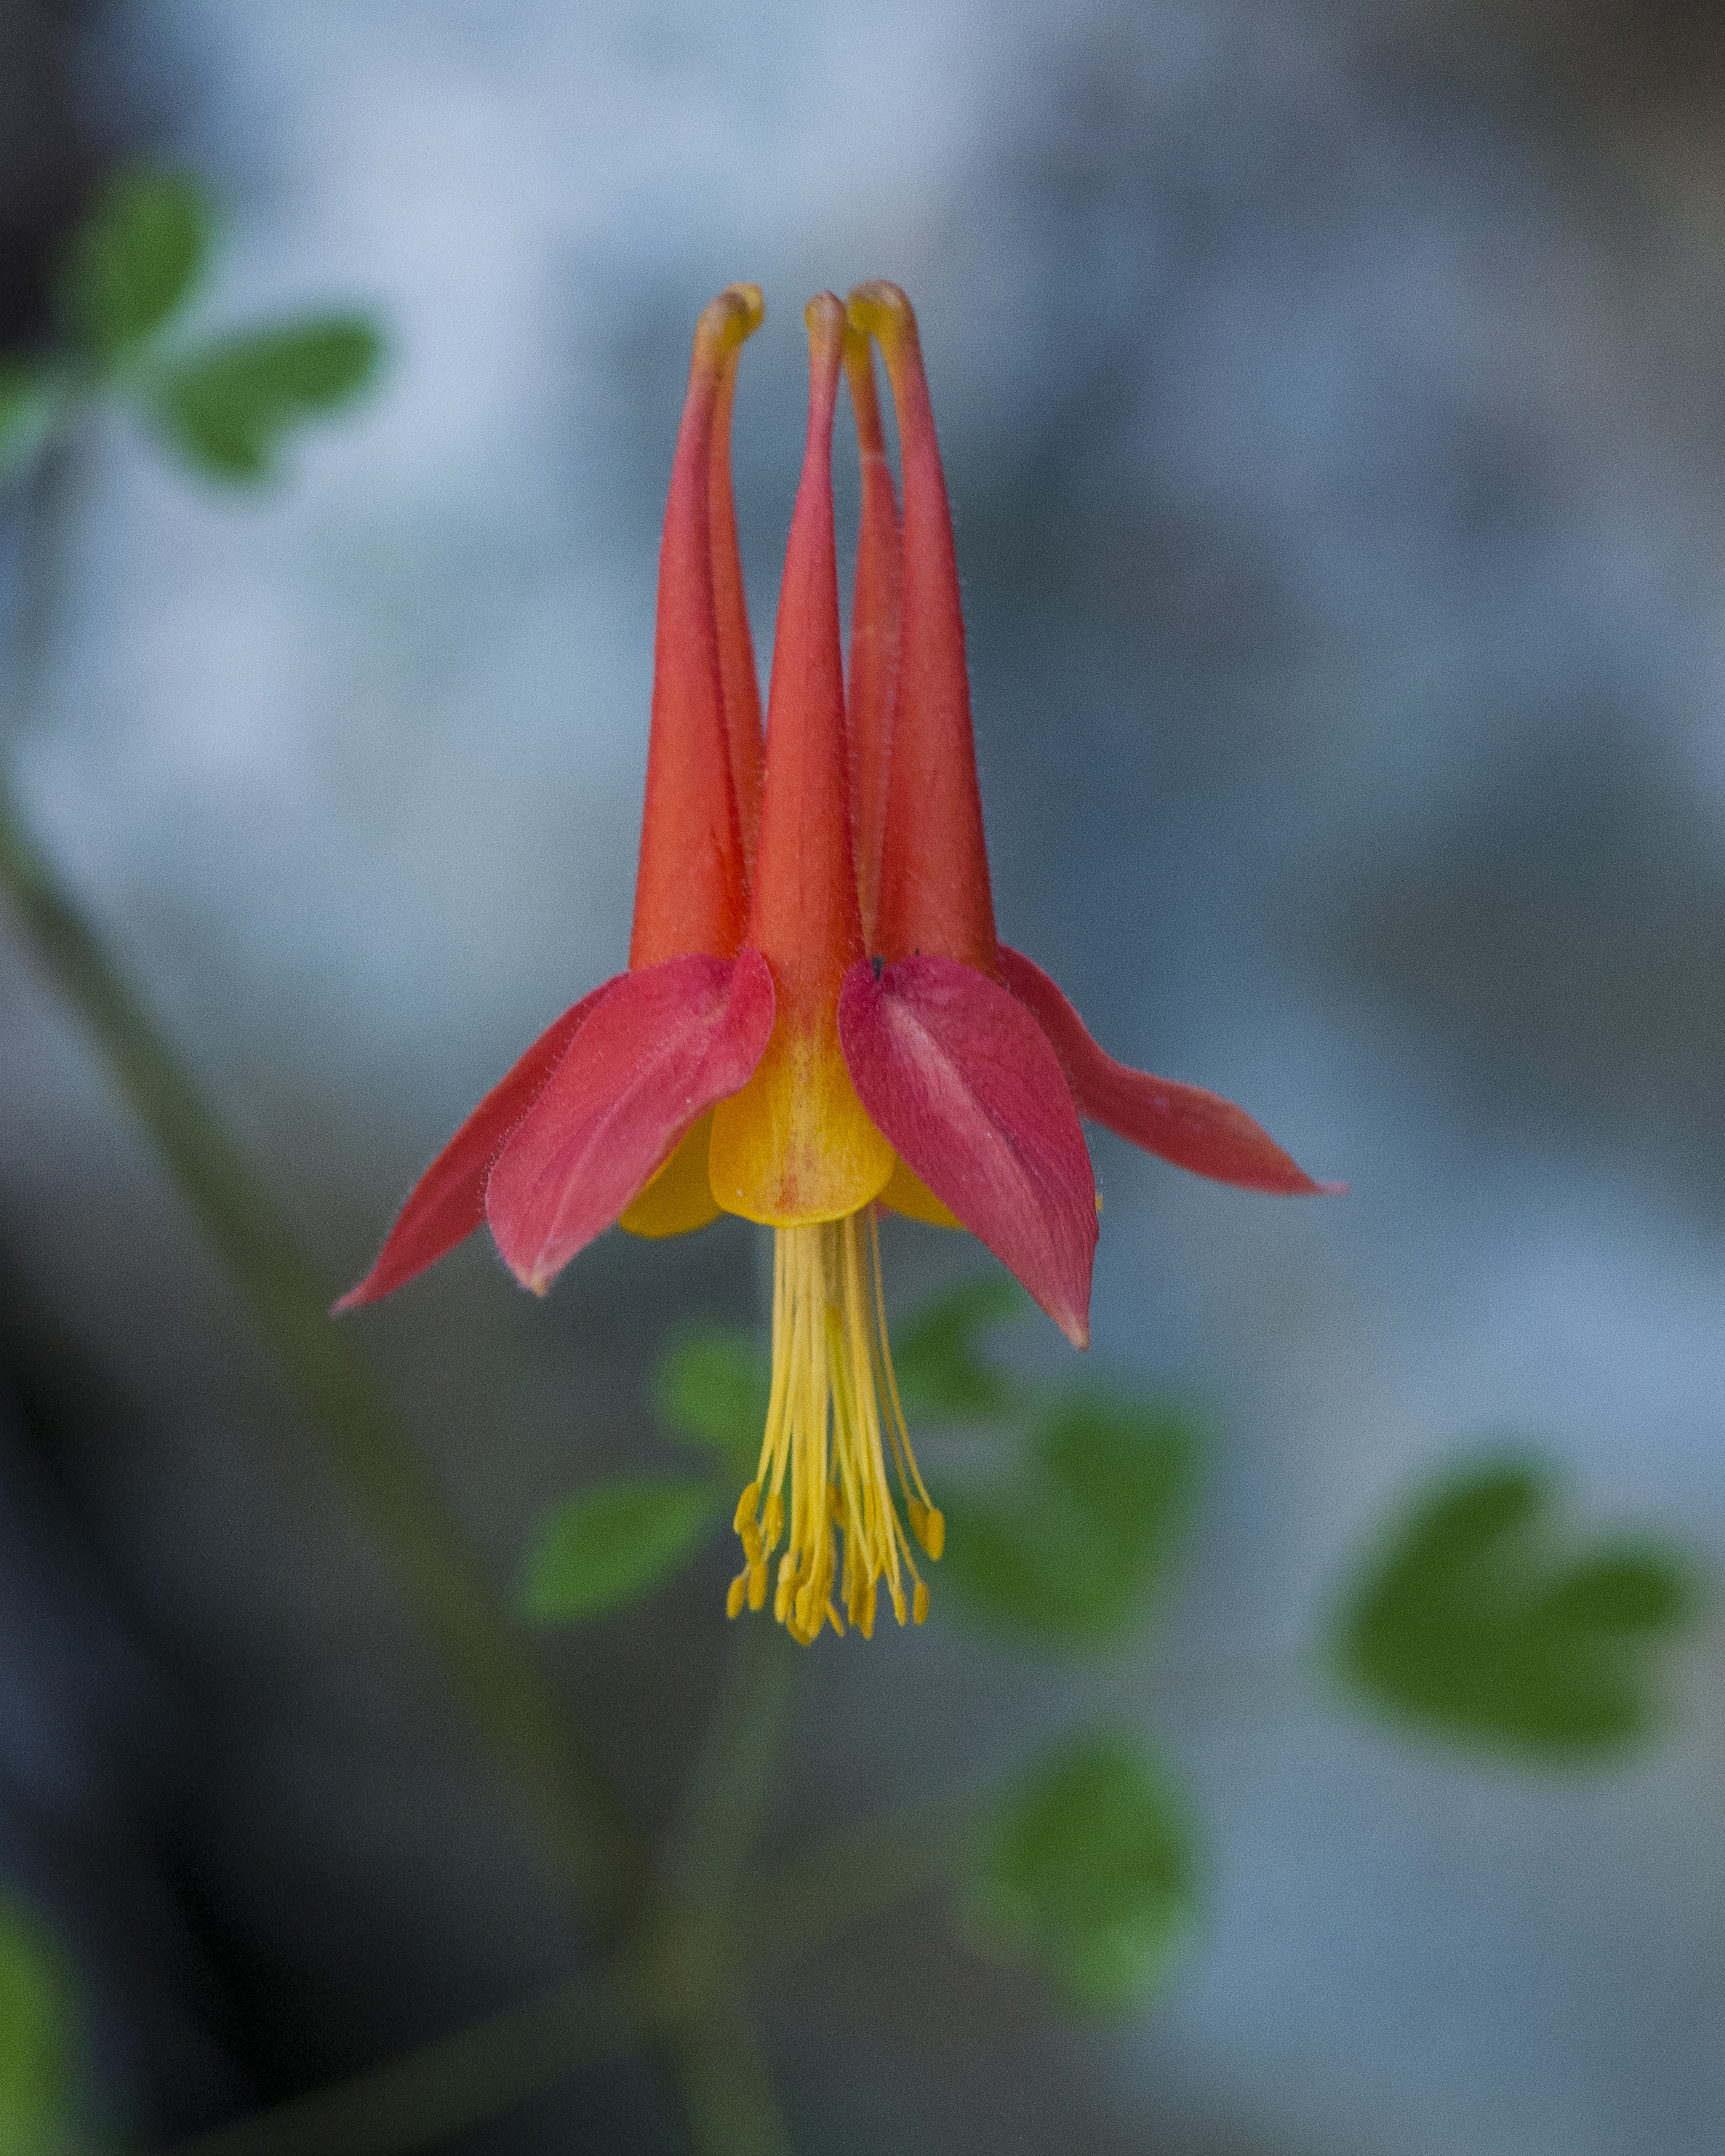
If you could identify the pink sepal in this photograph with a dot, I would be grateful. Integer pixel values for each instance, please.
(447, 1202)
(668, 1042)
(1183, 1124)
(960, 1080)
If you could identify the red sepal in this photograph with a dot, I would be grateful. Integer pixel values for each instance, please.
(667, 1043)
(1183, 1124)
(962, 1082)
(447, 1202)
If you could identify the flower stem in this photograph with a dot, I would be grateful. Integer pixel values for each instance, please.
(728, 1788)
(800, 1904)
(41, 535)
(462, 2079)
(728, 2097)
(688, 1946)
(425, 2095)
(485, 1659)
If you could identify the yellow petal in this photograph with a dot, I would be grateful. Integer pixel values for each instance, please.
(678, 1198)
(796, 1146)
(909, 1195)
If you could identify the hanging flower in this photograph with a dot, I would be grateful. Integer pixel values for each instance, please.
(818, 1020)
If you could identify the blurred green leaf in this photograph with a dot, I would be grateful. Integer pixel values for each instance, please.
(1067, 1554)
(611, 1543)
(36, 2038)
(1474, 1620)
(135, 260)
(226, 407)
(29, 397)
(941, 1376)
(711, 1386)
(1089, 1868)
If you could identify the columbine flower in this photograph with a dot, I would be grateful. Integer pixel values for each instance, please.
(818, 1020)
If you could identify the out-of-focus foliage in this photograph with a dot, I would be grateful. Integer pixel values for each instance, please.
(1090, 1868)
(134, 261)
(37, 2040)
(27, 403)
(1474, 1619)
(226, 407)
(1477, 1620)
(1067, 1552)
(941, 1376)
(711, 1387)
(613, 1542)
(223, 405)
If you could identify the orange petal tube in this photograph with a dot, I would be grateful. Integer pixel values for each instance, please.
(934, 894)
(738, 679)
(872, 687)
(691, 888)
(796, 1147)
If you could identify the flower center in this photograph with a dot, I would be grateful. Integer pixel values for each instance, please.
(823, 1468)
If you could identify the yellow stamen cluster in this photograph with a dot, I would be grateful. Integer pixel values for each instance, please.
(833, 1391)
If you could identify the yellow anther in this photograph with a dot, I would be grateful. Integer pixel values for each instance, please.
(747, 1505)
(919, 1606)
(733, 1600)
(757, 1585)
(775, 1519)
(932, 1533)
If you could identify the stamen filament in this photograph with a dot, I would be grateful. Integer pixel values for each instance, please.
(832, 1387)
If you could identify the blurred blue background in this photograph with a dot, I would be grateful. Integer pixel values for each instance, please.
(1333, 408)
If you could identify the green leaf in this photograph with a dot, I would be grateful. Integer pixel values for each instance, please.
(29, 398)
(711, 1386)
(611, 1543)
(226, 407)
(1474, 1620)
(36, 2038)
(941, 1376)
(1068, 1553)
(135, 260)
(1089, 1868)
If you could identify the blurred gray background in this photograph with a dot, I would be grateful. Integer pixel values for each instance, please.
(1334, 399)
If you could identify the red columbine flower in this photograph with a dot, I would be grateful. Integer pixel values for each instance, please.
(818, 1020)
